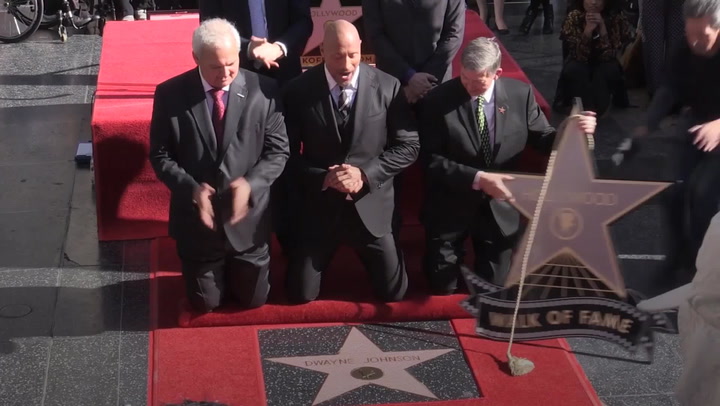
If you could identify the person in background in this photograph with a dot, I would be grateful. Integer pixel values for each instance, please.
(499, 14)
(533, 11)
(218, 142)
(699, 326)
(415, 41)
(127, 11)
(692, 81)
(472, 127)
(594, 35)
(273, 35)
(357, 133)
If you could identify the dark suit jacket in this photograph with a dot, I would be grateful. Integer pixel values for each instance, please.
(384, 142)
(184, 152)
(288, 21)
(423, 35)
(451, 149)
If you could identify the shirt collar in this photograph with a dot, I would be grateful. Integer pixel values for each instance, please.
(207, 85)
(332, 83)
(489, 94)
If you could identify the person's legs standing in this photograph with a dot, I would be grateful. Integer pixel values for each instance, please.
(124, 10)
(653, 35)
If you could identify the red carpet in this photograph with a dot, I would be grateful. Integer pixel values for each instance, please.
(222, 364)
(131, 203)
(346, 294)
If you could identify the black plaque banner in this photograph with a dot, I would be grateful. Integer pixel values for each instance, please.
(604, 318)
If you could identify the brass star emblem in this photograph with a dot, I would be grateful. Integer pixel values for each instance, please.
(576, 213)
(329, 10)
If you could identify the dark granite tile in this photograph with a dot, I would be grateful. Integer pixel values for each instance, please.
(616, 372)
(83, 371)
(660, 400)
(89, 302)
(52, 138)
(136, 298)
(23, 362)
(32, 239)
(441, 371)
(27, 302)
(137, 252)
(36, 187)
(133, 370)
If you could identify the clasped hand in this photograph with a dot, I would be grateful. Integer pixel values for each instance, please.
(344, 178)
(418, 86)
(266, 52)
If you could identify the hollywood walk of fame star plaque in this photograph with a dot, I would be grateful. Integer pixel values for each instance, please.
(323, 11)
(364, 365)
(573, 285)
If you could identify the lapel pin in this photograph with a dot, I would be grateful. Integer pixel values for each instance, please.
(241, 95)
(502, 110)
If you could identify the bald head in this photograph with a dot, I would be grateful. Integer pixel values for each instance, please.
(341, 50)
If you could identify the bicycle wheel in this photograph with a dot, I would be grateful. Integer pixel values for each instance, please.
(19, 19)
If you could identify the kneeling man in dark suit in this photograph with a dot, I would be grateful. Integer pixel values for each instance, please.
(218, 141)
(357, 134)
(472, 127)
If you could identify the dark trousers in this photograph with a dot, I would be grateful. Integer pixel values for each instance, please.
(213, 275)
(380, 256)
(663, 27)
(693, 202)
(595, 83)
(445, 251)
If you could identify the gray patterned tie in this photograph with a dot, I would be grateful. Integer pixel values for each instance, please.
(343, 102)
(485, 146)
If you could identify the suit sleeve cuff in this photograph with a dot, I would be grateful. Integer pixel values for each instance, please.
(476, 181)
(283, 48)
(408, 75)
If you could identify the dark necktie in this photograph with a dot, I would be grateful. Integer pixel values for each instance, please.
(485, 146)
(343, 102)
(218, 115)
(257, 18)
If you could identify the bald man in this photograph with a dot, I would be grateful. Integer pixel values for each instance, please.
(357, 134)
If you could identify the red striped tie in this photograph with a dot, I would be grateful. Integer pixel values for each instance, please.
(218, 115)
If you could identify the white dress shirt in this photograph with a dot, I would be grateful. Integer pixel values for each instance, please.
(208, 96)
(489, 107)
(350, 90)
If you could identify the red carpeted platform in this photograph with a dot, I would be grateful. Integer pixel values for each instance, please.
(223, 364)
(131, 203)
(346, 293)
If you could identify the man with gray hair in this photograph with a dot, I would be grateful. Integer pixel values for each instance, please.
(693, 80)
(470, 128)
(218, 141)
